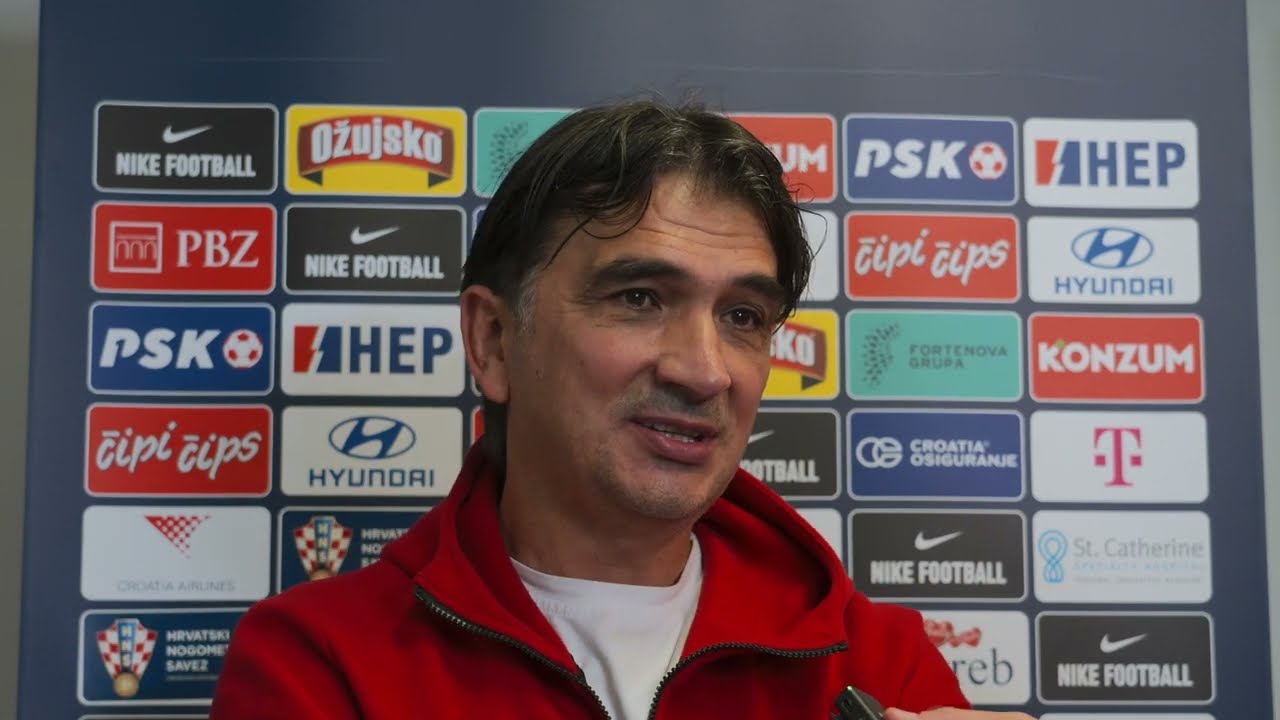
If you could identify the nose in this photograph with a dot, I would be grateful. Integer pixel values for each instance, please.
(692, 357)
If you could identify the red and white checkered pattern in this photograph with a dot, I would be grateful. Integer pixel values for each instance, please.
(135, 656)
(317, 554)
(178, 529)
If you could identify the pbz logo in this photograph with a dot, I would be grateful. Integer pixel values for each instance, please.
(192, 349)
(930, 159)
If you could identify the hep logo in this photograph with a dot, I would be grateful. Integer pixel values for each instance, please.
(1120, 454)
(376, 350)
(1093, 163)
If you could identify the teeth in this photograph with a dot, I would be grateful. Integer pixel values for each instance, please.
(673, 433)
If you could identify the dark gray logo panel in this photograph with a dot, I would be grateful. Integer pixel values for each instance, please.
(373, 249)
(1125, 658)
(796, 452)
(941, 555)
(185, 148)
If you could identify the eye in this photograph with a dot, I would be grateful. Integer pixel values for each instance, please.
(638, 298)
(746, 318)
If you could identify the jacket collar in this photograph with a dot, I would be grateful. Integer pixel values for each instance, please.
(769, 579)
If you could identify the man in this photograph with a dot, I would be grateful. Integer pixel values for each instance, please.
(601, 555)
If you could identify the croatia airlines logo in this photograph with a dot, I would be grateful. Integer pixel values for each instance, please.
(1116, 358)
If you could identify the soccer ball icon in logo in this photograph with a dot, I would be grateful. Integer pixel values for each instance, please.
(242, 349)
(988, 161)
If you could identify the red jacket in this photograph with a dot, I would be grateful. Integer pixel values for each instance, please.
(442, 627)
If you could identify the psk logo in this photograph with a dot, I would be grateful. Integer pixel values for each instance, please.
(1053, 548)
(1112, 248)
(322, 546)
(372, 438)
(126, 649)
(178, 529)
(242, 349)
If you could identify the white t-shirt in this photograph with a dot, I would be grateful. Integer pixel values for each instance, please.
(625, 637)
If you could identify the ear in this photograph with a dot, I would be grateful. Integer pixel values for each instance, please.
(485, 317)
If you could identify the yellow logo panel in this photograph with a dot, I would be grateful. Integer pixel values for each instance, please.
(804, 356)
(375, 150)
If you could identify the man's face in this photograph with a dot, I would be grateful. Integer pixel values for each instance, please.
(634, 390)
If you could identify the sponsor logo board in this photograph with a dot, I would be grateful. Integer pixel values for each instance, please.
(166, 553)
(830, 526)
(370, 451)
(477, 424)
(1116, 358)
(1113, 260)
(796, 452)
(181, 348)
(1122, 557)
(371, 349)
(934, 355)
(152, 657)
(372, 150)
(1136, 658)
(501, 137)
(922, 159)
(1119, 457)
(932, 256)
(1125, 716)
(373, 249)
(317, 543)
(989, 651)
(183, 248)
(822, 230)
(804, 357)
(178, 450)
(805, 144)
(979, 556)
(190, 148)
(951, 455)
(1111, 163)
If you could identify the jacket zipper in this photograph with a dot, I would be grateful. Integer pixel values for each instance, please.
(462, 622)
(792, 654)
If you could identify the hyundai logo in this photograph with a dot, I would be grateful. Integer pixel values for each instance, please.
(1112, 248)
(371, 437)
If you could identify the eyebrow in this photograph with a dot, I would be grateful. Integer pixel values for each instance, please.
(627, 270)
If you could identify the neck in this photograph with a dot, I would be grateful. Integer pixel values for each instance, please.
(546, 536)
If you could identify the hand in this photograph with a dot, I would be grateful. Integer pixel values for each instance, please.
(953, 714)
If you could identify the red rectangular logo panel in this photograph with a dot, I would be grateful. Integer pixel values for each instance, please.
(178, 450)
(1116, 358)
(806, 147)
(927, 256)
(184, 247)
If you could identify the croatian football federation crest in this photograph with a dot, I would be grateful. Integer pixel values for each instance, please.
(126, 649)
(322, 546)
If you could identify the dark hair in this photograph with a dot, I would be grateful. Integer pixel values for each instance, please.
(601, 163)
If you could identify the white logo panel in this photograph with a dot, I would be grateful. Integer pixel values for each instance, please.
(990, 652)
(370, 451)
(828, 524)
(1113, 260)
(822, 230)
(175, 553)
(1119, 457)
(1122, 557)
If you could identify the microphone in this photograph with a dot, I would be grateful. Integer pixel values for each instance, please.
(854, 704)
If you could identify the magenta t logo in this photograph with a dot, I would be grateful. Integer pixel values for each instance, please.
(1115, 451)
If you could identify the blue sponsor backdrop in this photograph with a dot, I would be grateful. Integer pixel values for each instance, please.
(1005, 60)
(367, 530)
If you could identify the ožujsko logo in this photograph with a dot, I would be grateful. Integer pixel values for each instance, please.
(988, 651)
(194, 349)
(178, 450)
(368, 150)
(1116, 358)
(1105, 260)
(930, 159)
(805, 144)
(319, 542)
(1111, 163)
(184, 248)
(409, 350)
(941, 355)
(804, 354)
(501, 137)
(925, 256)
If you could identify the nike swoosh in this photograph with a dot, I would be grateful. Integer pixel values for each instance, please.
(923, 544)
(759, 436)
(1108, 646)
(172, 137)
(359, 238)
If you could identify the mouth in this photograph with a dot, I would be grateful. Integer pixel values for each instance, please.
(677, 439)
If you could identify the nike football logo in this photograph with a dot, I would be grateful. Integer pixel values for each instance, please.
(923, 543)
(359, 238)
(172, 137)
(1108, 646)
(759, 436)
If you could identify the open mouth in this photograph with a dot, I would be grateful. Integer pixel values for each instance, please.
(675, 433)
